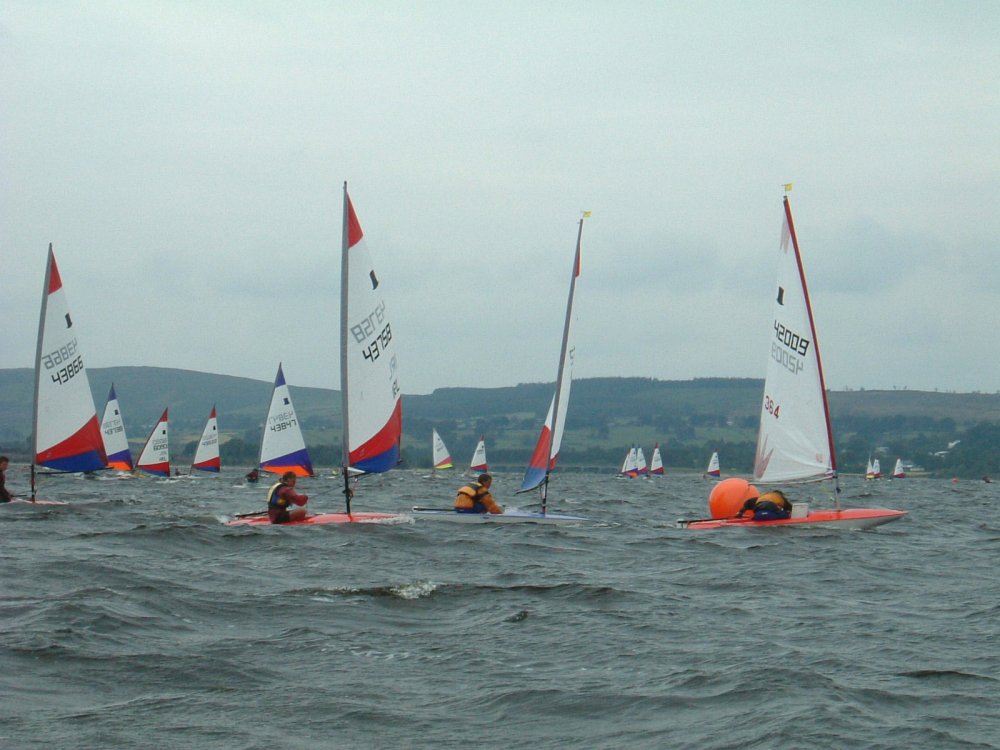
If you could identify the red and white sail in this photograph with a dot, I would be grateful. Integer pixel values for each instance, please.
(714, 470)
(629, 464)
(67, 435)
(656, 462)
(479, 464)
(897, 470)
(206, 457)
(794, 442)
(369, 368)
(155, 456)
(546, 453)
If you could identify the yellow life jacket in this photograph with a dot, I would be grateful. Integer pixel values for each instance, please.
(273, 501)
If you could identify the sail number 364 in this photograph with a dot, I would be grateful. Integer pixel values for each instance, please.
(770, 407)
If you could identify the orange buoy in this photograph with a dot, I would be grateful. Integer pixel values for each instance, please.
(728, 496)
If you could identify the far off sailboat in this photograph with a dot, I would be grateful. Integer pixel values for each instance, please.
(713, 466)
(155, 456)
(897, 470)
(441, 456)
(113, 431)
(795, 440)
(630, 466)
(478, 465)
(656, 462)
(206, 457)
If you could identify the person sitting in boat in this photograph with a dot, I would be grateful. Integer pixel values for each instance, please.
(282, 496)
(475, 497)
(253, 475)
(768, 507)
(5, 496)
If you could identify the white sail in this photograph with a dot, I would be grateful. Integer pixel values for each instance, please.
(656, 461)
(794, 442)
(897, 470)
(713, 469)
(641, 467)
(282, 447)
(442, 458)
(478, 464)
(206, 457)
(113, 430)
(630, 464)
(876, 469)
(155, 456)
(870, 469)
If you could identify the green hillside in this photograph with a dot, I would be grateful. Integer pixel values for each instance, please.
(689, 418)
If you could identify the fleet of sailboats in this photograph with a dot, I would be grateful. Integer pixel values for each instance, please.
(798, 447)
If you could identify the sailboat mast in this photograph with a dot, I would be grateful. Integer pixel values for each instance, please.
(562, 365)
(344, 269)
(819, 361)
(38, 369)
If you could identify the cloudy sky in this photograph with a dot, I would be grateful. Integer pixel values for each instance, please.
(186, 159)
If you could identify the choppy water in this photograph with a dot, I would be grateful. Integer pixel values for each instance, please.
(135, 618)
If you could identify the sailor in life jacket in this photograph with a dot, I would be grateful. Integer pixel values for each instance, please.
(768, 507)
(281, 497)
(476, 498)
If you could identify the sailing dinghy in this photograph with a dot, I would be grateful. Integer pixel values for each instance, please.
(795, 440)
(113, 432)
(155, 456)
(713, 469)
(656, 462)
(630, 464)
(282, 448)
(478, 465)
(543, 460)
(897, 470)
(440, 454)
(206, 457)
(369, 382)
(67, 435)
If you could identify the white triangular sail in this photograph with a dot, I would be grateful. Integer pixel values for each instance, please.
(206, 458)
(67, 435)
(478, 465)
(155, 456)
(897, 470)
(714, 469)
(641, 467)
(282, 447)
(794, 442)
(113, 430)
(442, 458)
(656, 461)
(870, 469)
(630, 464)
(876, 469)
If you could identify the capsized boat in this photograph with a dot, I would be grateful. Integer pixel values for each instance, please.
(546, 452)
(66, 433)
(371, 399)
(795, 440)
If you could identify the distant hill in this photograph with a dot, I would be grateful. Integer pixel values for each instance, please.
(689, 418)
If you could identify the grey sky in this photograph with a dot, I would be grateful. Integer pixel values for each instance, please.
(186, 160)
